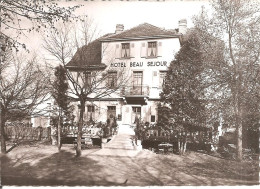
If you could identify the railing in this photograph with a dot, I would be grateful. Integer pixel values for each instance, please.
(73, 131)
(141, 90)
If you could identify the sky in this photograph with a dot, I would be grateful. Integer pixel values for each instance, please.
(131, 13)
(106, 14)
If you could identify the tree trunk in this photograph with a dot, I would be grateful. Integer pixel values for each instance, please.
(184, 142)
(2, 124)
(239, 142)
(238, 121)
(184, 146)
(239, 136)
(179, 146)
(40, 130)
(49, 133)
(82, 110)
(59, 130)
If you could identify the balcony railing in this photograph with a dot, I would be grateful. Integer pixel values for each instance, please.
(141, 90)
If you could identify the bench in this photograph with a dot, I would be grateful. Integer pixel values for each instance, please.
(84, 143)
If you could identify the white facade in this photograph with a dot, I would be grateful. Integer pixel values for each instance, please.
(144, 61)
(139, 61)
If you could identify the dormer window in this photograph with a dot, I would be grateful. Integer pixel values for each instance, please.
(125, 52)
(152, 49)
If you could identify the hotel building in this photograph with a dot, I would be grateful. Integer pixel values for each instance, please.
(143, 53)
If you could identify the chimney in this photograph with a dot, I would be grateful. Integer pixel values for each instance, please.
(119, 28)
(182, 26)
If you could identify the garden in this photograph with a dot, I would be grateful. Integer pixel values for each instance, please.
(93, 133)
(166, 140)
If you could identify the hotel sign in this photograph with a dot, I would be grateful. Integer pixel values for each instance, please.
(140, 64)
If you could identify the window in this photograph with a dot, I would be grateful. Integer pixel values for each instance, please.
(137, 110)
(111, 108)
(87, 82)
(90, 113)
(136, 114)
(111, 112)
(152, 49)
(137, 82)
(91, 108)
(152, 118)
(112, 78)
(137, 78)
(119, 117)
(162, 78)
(125, 52)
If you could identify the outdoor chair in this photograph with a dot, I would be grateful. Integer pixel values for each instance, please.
(160, 149)
(88, 142)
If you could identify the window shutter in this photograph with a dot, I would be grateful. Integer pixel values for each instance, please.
(132, 50)
(143, 50)
(159, 50)
(118, 51)
(154, 79)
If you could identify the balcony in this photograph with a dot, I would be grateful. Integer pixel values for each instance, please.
(141, 90)
(135, 94)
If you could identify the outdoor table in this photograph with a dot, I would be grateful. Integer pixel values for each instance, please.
(83, 143)
(165, 146)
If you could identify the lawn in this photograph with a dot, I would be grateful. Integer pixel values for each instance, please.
(44, 165)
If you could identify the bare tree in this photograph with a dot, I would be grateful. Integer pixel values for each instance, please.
(38, 14)
(87, 81)
(234, 79)
(23, 86)
(87, 31)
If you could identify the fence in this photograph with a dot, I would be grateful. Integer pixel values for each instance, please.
(27, 133)
(195, 136)
(21, 133)
(72, 131)
(196, 140)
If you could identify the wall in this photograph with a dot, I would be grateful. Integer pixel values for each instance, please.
(151, 67)
(138, 62)
(125, 110)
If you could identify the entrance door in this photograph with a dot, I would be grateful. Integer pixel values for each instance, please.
(111, 112)
(136, 113)
(137, 82)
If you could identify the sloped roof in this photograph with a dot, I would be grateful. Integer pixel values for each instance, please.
(144, 30)
(88, 56)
